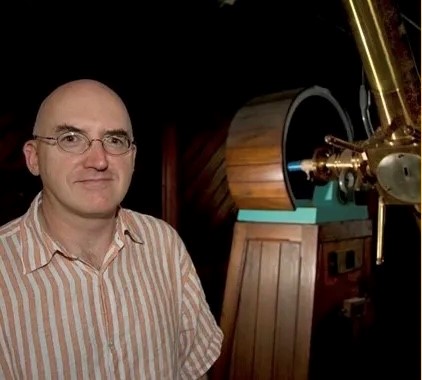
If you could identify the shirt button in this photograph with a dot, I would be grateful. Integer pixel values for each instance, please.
(111, 345)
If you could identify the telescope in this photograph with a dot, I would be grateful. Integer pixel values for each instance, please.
(301, 180)
(287, 148)
(389, 160)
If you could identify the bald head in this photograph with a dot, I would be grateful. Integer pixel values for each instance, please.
(81, 102)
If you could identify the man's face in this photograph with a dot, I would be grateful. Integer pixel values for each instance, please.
(91, 184)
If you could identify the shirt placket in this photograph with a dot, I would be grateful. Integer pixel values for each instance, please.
(105, 303)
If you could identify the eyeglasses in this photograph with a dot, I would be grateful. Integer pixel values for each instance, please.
(78, 143)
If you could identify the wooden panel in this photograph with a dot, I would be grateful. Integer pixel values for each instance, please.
(254, 155)
(288, 292)
(248, 173)
(260, 130)
(206, 172)
(245, 335)
(261, 195)
(337, 340)
(224, 209)
(257, 190)
(309, 249)
(266, 327)
(264, 203)
(268, 313)
(199, 151)
(267, 310)
(346, 230)
(333, 289)
(273, 231)
(169, 175)
(204, 188)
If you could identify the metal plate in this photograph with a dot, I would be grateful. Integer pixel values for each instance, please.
(399, 174)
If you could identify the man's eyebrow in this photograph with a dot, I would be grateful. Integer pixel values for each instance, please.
(67, 128)
(70, 128)
(117, 132)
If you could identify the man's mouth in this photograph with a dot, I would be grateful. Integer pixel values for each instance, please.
(95, 183)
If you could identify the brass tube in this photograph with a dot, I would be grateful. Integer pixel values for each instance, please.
(368, 19)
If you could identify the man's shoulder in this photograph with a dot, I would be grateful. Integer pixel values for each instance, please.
(10, 228)
(24, 221)
(10, 241)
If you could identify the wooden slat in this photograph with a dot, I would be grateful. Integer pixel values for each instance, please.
(259, 173)
(261, 195)
(205, 188)
(288, 292)
(305, 300)
(243, 365)
(252, 155)
(203, 178)
(264, 130)
(266, 310)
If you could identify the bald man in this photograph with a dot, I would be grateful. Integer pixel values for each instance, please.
(90, 290)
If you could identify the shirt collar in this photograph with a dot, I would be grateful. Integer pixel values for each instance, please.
(38, 247)
(126, 226)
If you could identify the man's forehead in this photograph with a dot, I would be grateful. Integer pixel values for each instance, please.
(84, 107)
(80, 88)
(84, 102)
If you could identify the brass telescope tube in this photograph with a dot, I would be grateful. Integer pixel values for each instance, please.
(393, 80)
(370, 24)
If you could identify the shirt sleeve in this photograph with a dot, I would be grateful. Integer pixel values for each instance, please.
(200, 337)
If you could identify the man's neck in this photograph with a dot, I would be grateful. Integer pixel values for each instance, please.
(88, 239)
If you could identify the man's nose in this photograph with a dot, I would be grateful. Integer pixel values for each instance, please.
(96, 155)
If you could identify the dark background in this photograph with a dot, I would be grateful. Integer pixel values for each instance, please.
(170, 59)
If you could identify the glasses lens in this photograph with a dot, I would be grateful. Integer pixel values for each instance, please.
(116, 144)
(73, 142)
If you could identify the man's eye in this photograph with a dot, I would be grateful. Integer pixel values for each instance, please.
(71, 138)
(116, 140)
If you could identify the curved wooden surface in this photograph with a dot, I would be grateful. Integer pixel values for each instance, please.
(254, 156)
(257, 146)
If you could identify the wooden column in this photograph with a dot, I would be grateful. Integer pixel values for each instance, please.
(280, 287)
(267, 309)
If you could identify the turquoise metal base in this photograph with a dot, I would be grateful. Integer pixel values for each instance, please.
(323, 208)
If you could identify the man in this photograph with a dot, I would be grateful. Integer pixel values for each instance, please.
(88, 289)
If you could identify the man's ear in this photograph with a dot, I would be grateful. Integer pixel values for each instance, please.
(134, 157)
(31, 156)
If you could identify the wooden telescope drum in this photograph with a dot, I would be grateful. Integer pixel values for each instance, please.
(272, 130)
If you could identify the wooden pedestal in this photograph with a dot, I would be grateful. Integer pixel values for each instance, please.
(281, 281)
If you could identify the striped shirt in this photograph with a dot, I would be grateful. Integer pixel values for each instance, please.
(143, 315)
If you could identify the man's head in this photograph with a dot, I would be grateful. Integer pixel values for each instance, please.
(91, 183)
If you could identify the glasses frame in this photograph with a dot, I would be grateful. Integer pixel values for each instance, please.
(132, 142)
